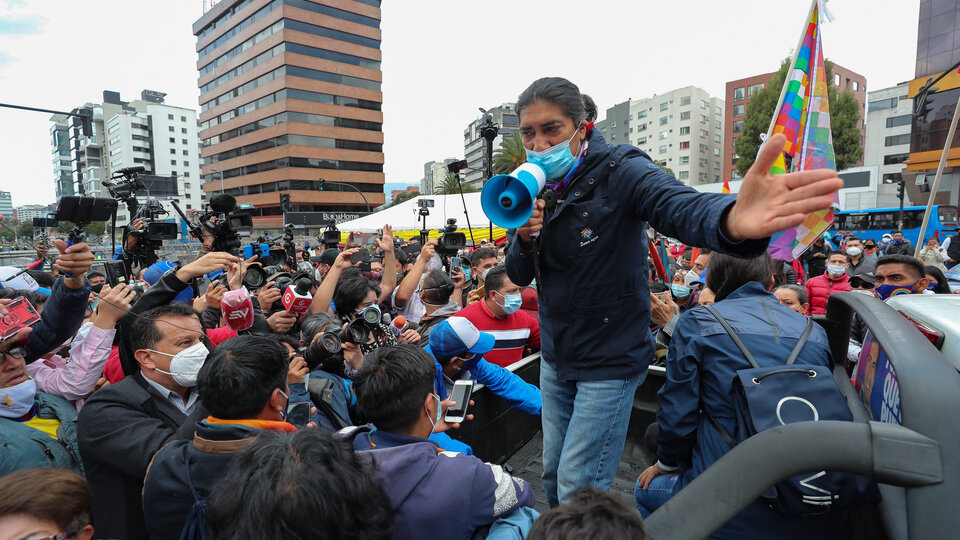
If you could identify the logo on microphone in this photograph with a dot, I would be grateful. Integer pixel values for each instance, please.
(238, 314)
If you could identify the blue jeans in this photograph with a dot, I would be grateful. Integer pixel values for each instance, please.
(660, 490)
(584, 429)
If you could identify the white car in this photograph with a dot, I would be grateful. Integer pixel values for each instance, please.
(937, 316)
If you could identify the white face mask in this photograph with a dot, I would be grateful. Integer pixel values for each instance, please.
(433, 424)
(689, 278)
(17, 400)
(186, 364)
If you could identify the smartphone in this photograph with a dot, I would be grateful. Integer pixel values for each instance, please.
(462, 389)
(20, 314)
(298, 413)
(455, 265)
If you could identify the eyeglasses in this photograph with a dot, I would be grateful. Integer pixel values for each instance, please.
(17, 353)
(467, 356)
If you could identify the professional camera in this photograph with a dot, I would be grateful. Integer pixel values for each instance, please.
(451, 242)
(123, 187)
(331, 236)
(225, 221)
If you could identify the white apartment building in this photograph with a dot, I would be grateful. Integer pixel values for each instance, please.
(434, 175)
(886, 144)
(475, 146)
(681, 129)
(145, 132)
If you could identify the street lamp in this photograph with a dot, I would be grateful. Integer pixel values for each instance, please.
(324, 182)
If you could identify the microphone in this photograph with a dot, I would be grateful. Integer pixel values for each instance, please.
(223, 203)
(399, 325)
(237, 309)
(297, 298)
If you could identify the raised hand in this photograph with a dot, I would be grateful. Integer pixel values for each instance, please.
(386, 243)
(768, 204)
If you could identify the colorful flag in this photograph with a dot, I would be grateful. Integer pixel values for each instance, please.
(803, 116)
(726, 186)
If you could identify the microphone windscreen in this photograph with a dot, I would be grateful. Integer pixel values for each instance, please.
(237, 309)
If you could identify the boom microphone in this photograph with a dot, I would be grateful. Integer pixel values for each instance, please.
(223, 203)
(237, 309)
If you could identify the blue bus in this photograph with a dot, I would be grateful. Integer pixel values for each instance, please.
(875, 222)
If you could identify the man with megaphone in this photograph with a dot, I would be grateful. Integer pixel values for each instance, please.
(580, 208)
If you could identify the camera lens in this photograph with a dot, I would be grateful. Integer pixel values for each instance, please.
(371, 315)
(254, 278)
(330, 342)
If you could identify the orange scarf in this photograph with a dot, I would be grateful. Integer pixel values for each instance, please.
(272, 425)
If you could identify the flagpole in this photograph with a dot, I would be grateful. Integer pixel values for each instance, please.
(936, 181)
(793, 63)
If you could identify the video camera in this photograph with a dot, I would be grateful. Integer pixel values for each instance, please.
(331, 236)
(123, 187)
(224, 221)
(451, 241)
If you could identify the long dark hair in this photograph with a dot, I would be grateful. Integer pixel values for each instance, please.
(562, 93)
(942, 286)
(726, 274)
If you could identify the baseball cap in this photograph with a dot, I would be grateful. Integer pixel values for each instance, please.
(329, 256)
(155, 271)
(864, 274)
(23, 282)
(457, 335)
(702, 280)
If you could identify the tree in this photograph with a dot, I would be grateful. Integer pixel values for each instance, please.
(663, 166)
(96, 228)
(844, 121)
(403, 197)
(451, 186)
(510, 155)
(25, 228)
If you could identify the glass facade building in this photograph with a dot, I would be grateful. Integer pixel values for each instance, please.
(290, 94)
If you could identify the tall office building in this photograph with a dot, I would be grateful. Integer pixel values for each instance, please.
(887, 144)
(289, 94)
(938, 50)
(6, 205)
(146, 133)
(434, 175)
(741, 91)
(475, 146)
(681, 129)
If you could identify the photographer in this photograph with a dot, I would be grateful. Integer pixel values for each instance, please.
(329, 387)
(126, 252)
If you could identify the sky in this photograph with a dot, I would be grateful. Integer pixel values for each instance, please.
(442, 60)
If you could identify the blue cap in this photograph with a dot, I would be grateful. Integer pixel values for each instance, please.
(156, 271)
(457, 335)
(702, 279)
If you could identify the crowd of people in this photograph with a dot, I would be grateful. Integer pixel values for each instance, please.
(140, 408)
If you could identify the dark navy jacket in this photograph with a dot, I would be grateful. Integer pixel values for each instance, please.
(439, 494)
(701, 365)
(593, 251)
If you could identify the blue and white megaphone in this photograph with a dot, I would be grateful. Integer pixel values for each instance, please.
(507, 199)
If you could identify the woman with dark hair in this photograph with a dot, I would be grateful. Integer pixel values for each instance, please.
(701, 367)
(597, 196)
(938, 281)
(45, 503)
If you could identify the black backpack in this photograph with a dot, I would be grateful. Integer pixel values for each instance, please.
(768, 397)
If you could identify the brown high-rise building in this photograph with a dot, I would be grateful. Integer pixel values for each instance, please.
(740, 91)
(289, 94)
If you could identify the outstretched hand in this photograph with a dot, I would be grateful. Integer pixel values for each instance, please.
(768, 204)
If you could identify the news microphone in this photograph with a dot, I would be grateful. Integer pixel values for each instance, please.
(297, 298)
(399, 325)
(237, 309)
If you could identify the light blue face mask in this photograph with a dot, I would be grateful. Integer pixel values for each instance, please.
(680, 291)
(511, 303)
(433, 425)
(555, 161)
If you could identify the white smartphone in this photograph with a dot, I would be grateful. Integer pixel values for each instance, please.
(462, 389)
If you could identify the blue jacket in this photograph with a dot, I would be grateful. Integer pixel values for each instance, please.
(437, 494)
(593, 259)
(25, 447)
(61, 318)
(500, 381)
(701, 366)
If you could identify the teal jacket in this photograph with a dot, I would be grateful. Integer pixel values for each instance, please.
(24, 447)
